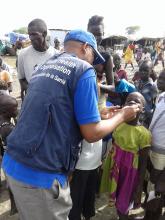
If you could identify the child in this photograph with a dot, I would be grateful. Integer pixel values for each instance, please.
(139, 52)
(8, 110)
(136, 77)
(86, 178)
(146, 55)
(122, 74)
(127, 162)
(148, 89)
(119, 92)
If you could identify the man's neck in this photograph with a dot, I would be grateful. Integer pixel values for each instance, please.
(42, 49)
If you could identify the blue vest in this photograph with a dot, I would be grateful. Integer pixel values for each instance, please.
(47, 135)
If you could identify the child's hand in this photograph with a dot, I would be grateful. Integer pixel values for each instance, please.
(109, 112)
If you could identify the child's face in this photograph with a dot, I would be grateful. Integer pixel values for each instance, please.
(117, 61)
(144, 72)
(135, 98)
(161, 81)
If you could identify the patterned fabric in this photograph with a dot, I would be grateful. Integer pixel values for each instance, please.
(120, 172)
(122, 74)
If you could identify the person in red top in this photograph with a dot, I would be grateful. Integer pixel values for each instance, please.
(122, 74)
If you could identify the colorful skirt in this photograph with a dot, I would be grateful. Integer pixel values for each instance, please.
(120, 177)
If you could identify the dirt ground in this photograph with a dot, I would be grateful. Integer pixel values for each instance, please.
(103, 211)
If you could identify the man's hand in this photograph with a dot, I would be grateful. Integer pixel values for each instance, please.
(95, 131)
(109, 112)
(24, 87)
(130, 112)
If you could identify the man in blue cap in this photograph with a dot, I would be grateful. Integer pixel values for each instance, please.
(60, 109)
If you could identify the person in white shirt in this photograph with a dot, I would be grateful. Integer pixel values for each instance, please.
(146, 55)
(37, 53)
(157, 127)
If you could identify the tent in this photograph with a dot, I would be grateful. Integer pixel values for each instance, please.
(13, 36)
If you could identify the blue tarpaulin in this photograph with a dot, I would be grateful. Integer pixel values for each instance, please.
(16, 36)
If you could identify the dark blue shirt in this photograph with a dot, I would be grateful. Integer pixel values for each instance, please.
(86, 111)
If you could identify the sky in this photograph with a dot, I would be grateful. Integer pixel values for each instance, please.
(71, 14)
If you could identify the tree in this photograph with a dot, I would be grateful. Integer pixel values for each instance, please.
(132, 29)
(22, 30)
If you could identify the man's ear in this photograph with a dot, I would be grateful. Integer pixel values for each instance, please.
(44, 33)
(84, 48)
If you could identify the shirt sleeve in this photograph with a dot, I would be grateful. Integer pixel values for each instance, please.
(20, 67)
(154, 91)
(86, 99)
(125, 86)
(145, 139)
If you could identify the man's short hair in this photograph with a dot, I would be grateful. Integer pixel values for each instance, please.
(39, 24)
(96, 20)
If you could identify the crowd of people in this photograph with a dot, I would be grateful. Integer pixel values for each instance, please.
(84, 128)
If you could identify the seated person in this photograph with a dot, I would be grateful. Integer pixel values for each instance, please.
(6, 77)
(4, 87)
(8, 111)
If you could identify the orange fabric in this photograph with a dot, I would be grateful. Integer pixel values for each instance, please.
(5, 76)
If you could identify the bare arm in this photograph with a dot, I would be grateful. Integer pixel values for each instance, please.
(106, 88)
(21, 74)
(24, 86)
(109, 71)
(96, 131)
(110, 89)
(143, 156)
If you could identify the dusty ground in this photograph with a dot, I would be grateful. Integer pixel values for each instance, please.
(103, 212)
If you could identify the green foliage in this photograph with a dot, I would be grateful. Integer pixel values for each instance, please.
(132, 29)
(22, 30)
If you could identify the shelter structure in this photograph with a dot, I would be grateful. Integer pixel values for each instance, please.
(113, 40)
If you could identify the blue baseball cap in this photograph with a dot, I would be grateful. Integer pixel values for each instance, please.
(85, 37)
